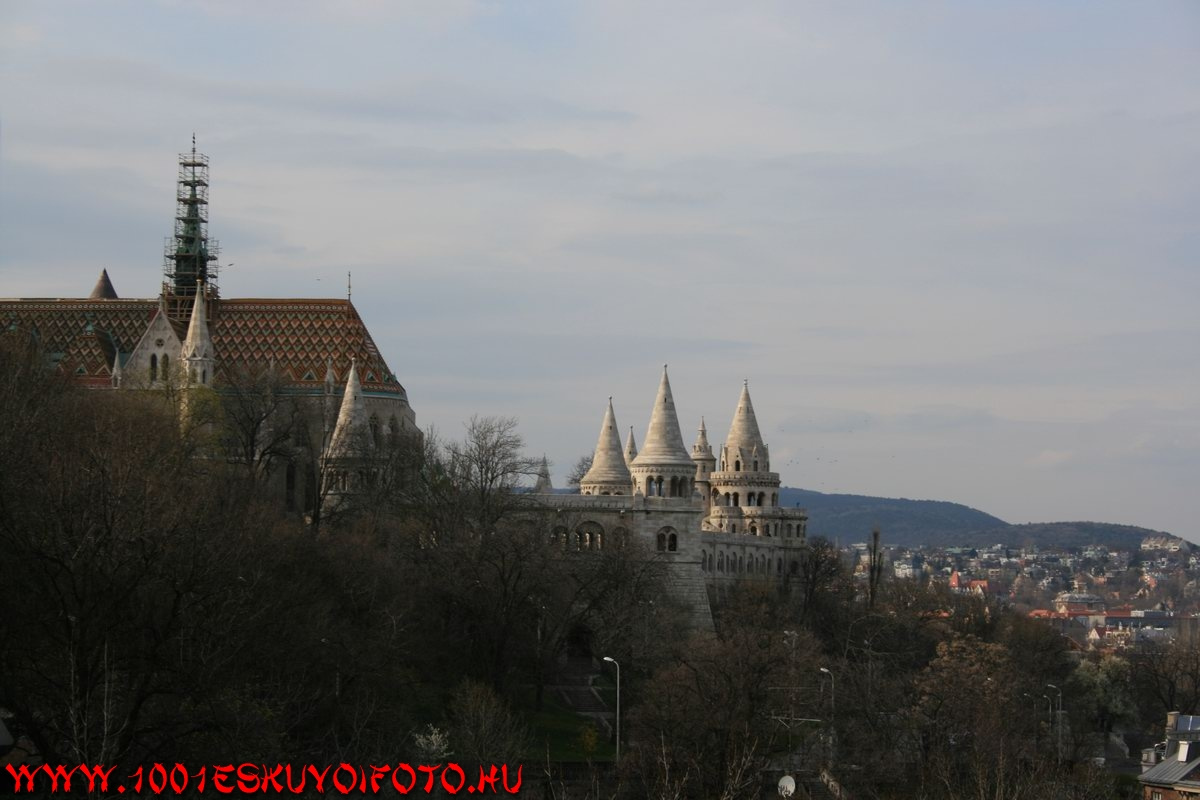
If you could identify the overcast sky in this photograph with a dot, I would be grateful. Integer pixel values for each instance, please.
(953, 246)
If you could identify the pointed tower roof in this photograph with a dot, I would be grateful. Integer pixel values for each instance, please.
(743, 431)
(543, 485)
(352, 429)
(198, 344)
(701, 447)
(608, 462)
(103, 290)
(664, 441)
(630, 448)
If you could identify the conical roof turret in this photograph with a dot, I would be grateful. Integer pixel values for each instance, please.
(664, 441)
(103, 290)
(198, 344)
(351, 435)
(543, 485)
(744, 435)
(701, 447)
(608, 462)
(630, 448)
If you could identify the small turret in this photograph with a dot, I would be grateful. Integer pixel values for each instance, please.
(608, 473)
(197, 353)
(706, 462)
(352, 433)
(630, 448)
(543, 485)
(103, 290)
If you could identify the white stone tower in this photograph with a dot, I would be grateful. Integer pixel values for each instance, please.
(608, 474)
(663, 468)
(706, 462)
(743, 488)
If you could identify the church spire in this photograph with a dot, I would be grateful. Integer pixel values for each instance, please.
(630, 448)
(190, 255)
(197, 352)
(608, 473)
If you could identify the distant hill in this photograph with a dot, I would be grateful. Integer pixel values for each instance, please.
(850, 517)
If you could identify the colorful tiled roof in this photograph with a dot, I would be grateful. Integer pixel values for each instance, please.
(299, 337)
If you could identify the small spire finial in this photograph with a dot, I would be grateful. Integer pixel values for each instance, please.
(193, 144)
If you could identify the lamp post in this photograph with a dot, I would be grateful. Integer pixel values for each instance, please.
(613, 661)
(1058, 719)
(832, 716)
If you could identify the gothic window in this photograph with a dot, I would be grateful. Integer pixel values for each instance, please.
(166, 367)
(662, 541)
(737, 465)
(762, 496)
(153, 367)
(658, 486)
(728, 499)
(736, 499)
(649, 486)
(672, 543)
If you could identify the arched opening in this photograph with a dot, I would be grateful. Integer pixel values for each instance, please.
(153, 367)
(721, 562)
(166, 367)
(658, 486)
(754, 529)
(728, 499)
(661, 542)
(789, 530)
(736, 499)
(756, 466)
(737, 465)
(762, 496)
(672, 543)
(674, 492)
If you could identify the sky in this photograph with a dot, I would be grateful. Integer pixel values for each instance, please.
(954, 247)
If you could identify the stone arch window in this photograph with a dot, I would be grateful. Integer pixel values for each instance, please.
(674, 491)
(658, 486)
(721, 562)
(153, 367)
(754, 530)
(762, 496)
(166, 367)
(789, 530)
(672, 543)
(736, 499)
(756, 466)
(661, 541)
(728, 499)
(649, 486)
(737, 465)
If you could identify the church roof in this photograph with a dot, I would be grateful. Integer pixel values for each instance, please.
(103, 290)
(608, 462)
(743, 431)
(664, 441)
(300, 336)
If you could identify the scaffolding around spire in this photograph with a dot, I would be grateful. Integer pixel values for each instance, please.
(189, 256)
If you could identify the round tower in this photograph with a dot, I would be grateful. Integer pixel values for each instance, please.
(744, 493)
(702, 456)
(608, 473)
(663, 468)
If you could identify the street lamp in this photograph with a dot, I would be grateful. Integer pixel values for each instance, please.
(613, 661)
(832, 716)
(1058, 717)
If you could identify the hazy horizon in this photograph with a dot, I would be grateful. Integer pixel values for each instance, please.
(952, 246)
